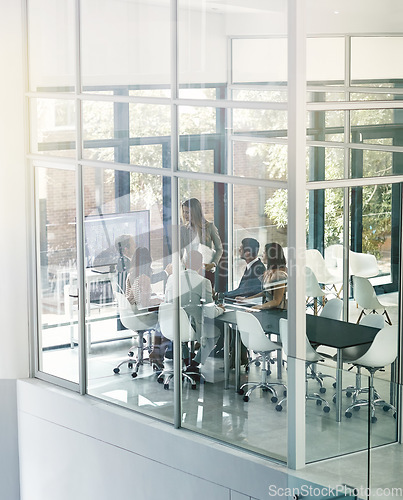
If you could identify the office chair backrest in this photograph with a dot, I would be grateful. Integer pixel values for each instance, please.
(252, 333)
(363, 264)
(332, 309)
(311, 284)
(310, 354)
(364, 293)
(168, 325)
(133, 319)
(383, 350)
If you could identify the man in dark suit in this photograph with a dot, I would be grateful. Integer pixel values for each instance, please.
(250, 283)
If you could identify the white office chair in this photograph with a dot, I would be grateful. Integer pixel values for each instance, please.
(187, 334)
(334, 258)
(363, 265)
(349, 354)
(311, 356)
(332, 310)
(324, 275)
(366, 298)
(313, 291)
(254, 339)
(139, 323)
(382, 352)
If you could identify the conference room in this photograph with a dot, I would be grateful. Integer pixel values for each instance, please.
(323, 364)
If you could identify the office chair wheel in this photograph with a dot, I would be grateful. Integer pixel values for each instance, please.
(246, 399)
(322, 390)
(274, 399)
(130, 365)
(334, 385)
(348, 414)
(246, 369)
(116, 370)
(373, 419)
(279, 407)
(194, 387)
(130, 353)
(284, 393)
(160, 380)
(257, 363)
(318, 402)
(349, 394)
(334, 399)
(166, 387)
(134, 374)
(241, 392)
(386, 408)
(326, 409)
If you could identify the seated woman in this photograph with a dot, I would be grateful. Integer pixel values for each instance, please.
(274, 296)
(139, 294)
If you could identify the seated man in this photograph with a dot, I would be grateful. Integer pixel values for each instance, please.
(197, 300)
(250, 283)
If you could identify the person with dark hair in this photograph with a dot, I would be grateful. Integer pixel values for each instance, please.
(274, 279)
(139, 294)
(250, 283)
(197, 233)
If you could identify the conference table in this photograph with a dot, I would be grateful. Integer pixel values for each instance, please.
(319, 330)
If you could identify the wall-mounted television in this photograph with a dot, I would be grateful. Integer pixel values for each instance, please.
(102, 230)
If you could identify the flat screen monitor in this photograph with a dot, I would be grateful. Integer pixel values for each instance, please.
(101, 232)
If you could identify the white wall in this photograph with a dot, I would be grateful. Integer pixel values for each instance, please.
(72, 447)
(13, 288)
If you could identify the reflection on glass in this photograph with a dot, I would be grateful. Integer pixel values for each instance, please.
(326, 126)
(270, 123)
(53, 127)
(364, 72)
(325, 163)
(331, 70)
(261, 60)
(197, 161)
(372, 126)
(58, 327)
(260, 160)
(51, 46)
(127, 248)
(113, 36)
(194, 120)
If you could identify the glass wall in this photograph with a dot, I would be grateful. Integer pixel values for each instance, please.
(162, 180)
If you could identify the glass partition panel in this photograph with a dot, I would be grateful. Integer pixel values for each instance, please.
(326, 126)
(51, 46)
(53, 127)
(330, 70)
(268, 123)
(57, 279)
(325, 163)
(254, 54)
(126, 133)
(202, 140)
(260, 160)
(219, 407)
(364, 50)
(127, 242)
(125, 46)
(374, 126)
(259, 61)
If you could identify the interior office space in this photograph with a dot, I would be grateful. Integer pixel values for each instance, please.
(284, 120)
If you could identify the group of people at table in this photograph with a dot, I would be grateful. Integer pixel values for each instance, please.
(201, 249)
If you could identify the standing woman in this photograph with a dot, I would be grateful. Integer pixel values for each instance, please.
(274, 279)
(197, 233)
